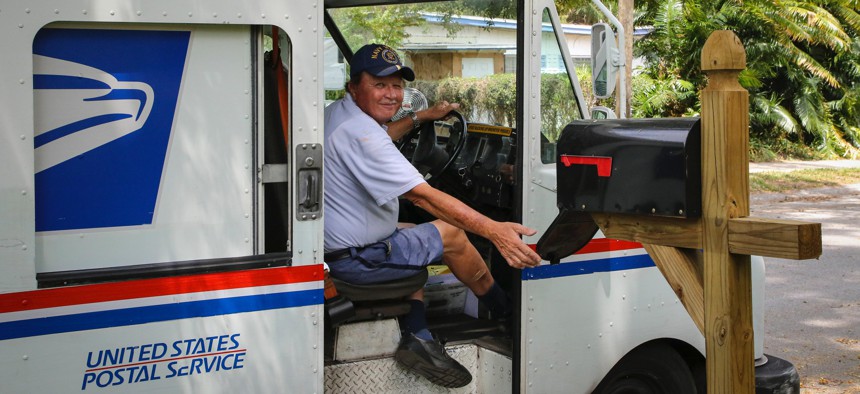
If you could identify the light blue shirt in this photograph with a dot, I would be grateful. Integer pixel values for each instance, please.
(364, 176)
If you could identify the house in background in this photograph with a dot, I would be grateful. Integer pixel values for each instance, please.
(490, 47)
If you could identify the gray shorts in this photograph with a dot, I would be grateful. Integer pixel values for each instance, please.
(401, 255)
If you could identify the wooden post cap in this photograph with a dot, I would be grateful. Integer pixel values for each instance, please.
(723, 51)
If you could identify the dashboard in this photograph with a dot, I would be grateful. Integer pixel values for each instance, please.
(483, 173)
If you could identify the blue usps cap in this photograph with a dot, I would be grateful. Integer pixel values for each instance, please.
(379, 60)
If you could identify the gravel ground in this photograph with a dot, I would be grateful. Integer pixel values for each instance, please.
(800, 165)
(812, 307)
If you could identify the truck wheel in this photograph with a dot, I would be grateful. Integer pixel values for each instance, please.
(649, 369)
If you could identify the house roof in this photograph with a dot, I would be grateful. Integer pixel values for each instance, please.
(511, 24)
(417, 47)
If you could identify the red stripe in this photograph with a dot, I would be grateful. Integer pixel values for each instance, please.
(604, 164)
(608, 245)
(103, 292)
(599, 245)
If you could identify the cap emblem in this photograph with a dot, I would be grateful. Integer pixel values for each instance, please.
(385, 53)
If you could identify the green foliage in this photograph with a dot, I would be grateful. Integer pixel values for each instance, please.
(803, 62)
(386, 24)
(492, 99)
(558, 105)
(382, 25)
(655, 98)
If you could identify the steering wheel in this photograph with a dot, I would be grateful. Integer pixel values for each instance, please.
(430, 156)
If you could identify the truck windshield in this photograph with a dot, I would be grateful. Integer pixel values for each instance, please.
(460, 54)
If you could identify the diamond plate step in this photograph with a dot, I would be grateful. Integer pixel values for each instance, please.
(382, 376)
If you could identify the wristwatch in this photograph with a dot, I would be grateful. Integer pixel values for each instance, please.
(415, 123)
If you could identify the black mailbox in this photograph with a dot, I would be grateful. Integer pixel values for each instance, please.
(633, 166)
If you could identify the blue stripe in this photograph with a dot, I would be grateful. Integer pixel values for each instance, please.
(588, 267)
(49, 81)
(158, 313)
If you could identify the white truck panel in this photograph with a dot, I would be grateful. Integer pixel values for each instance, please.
(212, 333)
(610, 307)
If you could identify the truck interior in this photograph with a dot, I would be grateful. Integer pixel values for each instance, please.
(472, 154)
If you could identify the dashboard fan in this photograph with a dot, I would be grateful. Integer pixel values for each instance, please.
(413, 101)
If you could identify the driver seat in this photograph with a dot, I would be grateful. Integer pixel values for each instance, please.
(361, 320)
(379, 300)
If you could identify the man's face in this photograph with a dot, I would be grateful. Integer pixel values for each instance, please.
(379, 97)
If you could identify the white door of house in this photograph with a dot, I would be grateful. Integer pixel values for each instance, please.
(476, 67)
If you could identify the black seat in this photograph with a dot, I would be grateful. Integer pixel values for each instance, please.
(382, 291)
(380, 300)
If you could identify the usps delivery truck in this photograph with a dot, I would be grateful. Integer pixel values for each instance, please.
(161, 218)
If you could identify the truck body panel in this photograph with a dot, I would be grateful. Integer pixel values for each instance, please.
(154, 237)
(199, 333)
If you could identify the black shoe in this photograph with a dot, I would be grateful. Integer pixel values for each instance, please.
(429, 359)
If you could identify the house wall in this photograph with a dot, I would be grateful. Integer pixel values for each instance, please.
(430, 48)
(433, 66)
(440, 65)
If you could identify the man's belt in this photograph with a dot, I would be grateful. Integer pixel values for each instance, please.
(348, 252)
(337, 255)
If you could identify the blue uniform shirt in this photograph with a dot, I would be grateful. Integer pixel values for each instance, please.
(364, 176)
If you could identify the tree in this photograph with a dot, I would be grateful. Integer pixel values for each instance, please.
(381, 25)
(802, 59)
(625, 16)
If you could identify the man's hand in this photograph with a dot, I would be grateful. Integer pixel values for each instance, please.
(506, 238)
(437, 111)
(504, 235)
(399, 128)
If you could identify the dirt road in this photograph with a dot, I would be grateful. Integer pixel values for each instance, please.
(812, 307)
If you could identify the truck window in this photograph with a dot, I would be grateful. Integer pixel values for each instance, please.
(465, 59)
(558, 100)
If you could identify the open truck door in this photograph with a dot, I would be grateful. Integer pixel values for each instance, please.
(612, 293)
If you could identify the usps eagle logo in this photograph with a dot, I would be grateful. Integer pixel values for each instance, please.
(89, 108)
(105, 102)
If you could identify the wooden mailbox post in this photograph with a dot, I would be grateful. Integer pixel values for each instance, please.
(707, 260)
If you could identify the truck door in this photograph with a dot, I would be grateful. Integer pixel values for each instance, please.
(162, 240)
(581, 316)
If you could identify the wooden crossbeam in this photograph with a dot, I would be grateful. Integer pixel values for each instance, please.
(779, 238)
(681, 233)
(786, 239)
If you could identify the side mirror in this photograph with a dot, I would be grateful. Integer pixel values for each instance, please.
(604, 60)
(601, 112)
(334, 73)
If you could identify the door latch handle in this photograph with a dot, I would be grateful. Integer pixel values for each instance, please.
(309, 182)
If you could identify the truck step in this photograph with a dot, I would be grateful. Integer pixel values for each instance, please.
(491, 373)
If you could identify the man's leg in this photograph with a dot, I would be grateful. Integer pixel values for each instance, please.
(415, 321)
(421, 353)
(468, 266)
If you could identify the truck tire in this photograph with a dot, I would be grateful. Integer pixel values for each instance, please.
(652, 368)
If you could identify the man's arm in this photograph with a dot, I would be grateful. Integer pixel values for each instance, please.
(399, 128)
(504, 235)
